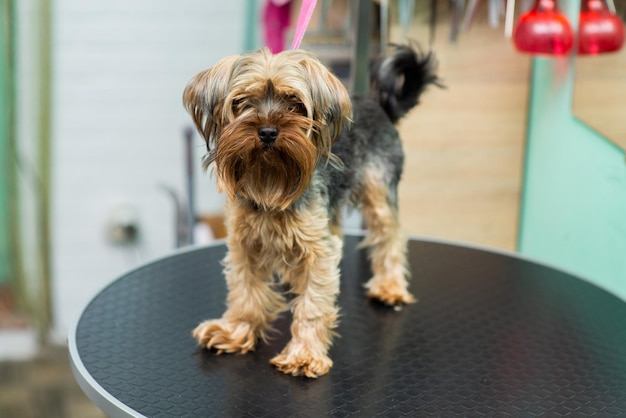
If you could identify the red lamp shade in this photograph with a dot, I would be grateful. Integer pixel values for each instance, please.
(543, 30)
(599, 30)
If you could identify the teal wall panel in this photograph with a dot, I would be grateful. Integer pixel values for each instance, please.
(251, 36)
(574, 197)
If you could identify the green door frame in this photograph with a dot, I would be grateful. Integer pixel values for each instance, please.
(7, 169)
(36, 303)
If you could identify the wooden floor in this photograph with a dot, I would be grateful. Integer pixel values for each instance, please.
(43, 388)
(465, 143)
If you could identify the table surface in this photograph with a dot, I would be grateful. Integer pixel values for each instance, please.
(492, 334)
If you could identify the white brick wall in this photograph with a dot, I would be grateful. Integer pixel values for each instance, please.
(119, 70)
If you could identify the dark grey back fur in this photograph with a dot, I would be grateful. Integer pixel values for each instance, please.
(372, 141)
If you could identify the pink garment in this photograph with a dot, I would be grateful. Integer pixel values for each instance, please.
(276, 15)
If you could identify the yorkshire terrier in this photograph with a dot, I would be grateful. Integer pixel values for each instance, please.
(279, 136)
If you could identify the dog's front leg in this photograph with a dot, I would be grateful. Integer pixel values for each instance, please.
(315, 281)
(252, 305)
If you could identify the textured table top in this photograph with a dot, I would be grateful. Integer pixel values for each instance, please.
(492, 334)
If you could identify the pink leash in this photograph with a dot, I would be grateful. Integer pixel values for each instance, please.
(306, 11)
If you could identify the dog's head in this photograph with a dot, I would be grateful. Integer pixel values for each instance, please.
(268, 120)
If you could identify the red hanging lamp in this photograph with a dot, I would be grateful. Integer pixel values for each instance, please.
(599, 30)
(543, 30)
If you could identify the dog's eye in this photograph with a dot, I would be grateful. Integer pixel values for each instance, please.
(297, 107)
(239, 105)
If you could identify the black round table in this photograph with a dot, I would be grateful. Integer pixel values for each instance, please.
(493, 334)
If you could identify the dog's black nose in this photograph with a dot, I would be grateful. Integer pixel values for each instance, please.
(268, 134)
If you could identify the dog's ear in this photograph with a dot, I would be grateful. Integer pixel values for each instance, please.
(204, 100)
(332, 106)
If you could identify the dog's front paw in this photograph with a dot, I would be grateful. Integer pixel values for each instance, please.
(301, 362)
(389, 291)
(226, 336)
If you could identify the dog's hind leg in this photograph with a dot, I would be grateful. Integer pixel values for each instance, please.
(385, 241)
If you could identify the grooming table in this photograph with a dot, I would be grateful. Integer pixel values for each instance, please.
(492, 334)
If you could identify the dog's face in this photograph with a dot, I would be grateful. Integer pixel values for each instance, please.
(267, 120)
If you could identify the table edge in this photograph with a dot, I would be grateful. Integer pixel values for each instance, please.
(107, 403)
(104, 400)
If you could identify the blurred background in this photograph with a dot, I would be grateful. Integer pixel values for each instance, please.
(100, 169)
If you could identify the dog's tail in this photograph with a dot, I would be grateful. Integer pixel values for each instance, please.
(398, 79)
